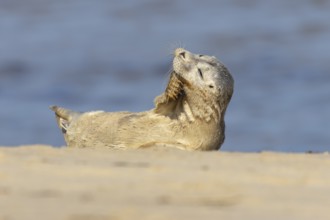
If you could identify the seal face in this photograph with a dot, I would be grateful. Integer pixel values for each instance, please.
(188, 115)
(207, 80)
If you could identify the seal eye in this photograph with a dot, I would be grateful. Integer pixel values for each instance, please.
(211, 86)
(200, 73)
(200, 55)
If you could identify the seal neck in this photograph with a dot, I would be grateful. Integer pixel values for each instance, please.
(200, 106)
(181, 100)
(190, 107)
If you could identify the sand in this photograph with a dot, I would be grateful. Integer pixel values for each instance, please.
(43, 182)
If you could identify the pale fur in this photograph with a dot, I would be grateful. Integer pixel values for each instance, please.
(188, 115)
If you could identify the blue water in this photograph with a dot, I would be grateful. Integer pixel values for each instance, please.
(115, 55)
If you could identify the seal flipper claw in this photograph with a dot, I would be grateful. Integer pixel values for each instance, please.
(64, 117)
(166, 102)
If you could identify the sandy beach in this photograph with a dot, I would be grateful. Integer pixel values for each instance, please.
(43, 182)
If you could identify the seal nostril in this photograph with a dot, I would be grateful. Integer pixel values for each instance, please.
(183, 54)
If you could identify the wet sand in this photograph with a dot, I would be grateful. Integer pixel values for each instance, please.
(42, 182)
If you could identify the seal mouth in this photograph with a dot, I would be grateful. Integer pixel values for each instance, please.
(182, 55)
(183, 61)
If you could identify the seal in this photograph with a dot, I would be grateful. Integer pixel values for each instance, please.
(189, 114)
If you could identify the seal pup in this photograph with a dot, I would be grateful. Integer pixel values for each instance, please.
(189, 115)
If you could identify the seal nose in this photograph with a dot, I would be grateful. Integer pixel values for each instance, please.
(180, 52)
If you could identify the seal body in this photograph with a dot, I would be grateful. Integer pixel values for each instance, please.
(188, 115)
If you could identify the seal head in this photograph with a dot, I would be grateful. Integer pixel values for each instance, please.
(203, 81)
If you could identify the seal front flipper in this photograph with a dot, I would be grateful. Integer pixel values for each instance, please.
(64, 117)
(167, 102)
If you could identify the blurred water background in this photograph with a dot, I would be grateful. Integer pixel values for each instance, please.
(116, 55)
